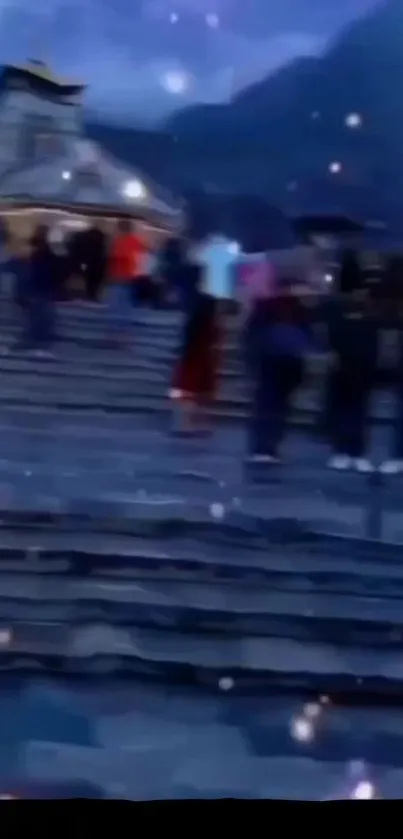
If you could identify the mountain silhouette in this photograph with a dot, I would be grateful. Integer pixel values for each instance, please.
(277, 138)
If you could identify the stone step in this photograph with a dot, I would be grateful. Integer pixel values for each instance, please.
(103, 468)
(82, 315)
(100, 360)
(205, 608)
(251, 663)
(121, 382)
(327, 565)
(101, 328)
(21, 369)
(102, 365)
(279, 517)
(50, 457)
(85, 355)
(66, 373)
(80, 345)
(164, 326)
(147, 475)
(148, 335)
(140, 384)
(139, 515)
(228, 407)
(165, 601)
(101, 368)
(152, 743)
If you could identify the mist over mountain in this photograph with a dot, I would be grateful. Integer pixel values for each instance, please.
(278, 137)
(127, 50)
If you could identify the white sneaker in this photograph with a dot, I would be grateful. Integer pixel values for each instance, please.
(363, 465)
(340, 462)
(391, 467)
(263, 458)
(45, 354)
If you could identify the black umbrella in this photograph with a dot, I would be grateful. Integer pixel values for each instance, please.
(326, 224)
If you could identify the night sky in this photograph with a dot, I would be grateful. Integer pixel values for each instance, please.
(145, 58)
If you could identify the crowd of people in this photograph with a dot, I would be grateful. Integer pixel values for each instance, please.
(117, 268)
(283, 320)
(97, 266)
(285, 312)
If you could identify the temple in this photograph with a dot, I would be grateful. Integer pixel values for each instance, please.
(46, 161)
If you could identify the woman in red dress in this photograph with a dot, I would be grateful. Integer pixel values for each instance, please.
(195, 377)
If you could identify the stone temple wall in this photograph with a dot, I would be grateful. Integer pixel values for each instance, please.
(22, 111)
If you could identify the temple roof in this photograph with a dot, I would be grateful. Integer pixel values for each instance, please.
(39, 72)
(85, 176)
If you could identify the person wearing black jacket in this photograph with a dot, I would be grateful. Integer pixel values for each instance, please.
(178, 272)
(38, 295)
(353, 332)
(392, 359)
(94, 259)
(394, 464)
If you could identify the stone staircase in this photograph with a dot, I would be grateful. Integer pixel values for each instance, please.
(124, 551)
(89, 377)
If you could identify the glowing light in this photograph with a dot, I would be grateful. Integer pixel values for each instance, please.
(328, 278)
(175, 82)
(312, 710)
(217, 510)
(66, 175)
(212, 20)
(234, 248)
(226, 683)
(5, 637)
(173, 17)
(363, 791)
(134, 190)
(302, 730)
(335, 167)
(353, 120)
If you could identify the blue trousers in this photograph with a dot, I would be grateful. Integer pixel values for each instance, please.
(397, 448)
(39, 322)
(120, 299)
(349, 395)
(275, 381)
(187, 296)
